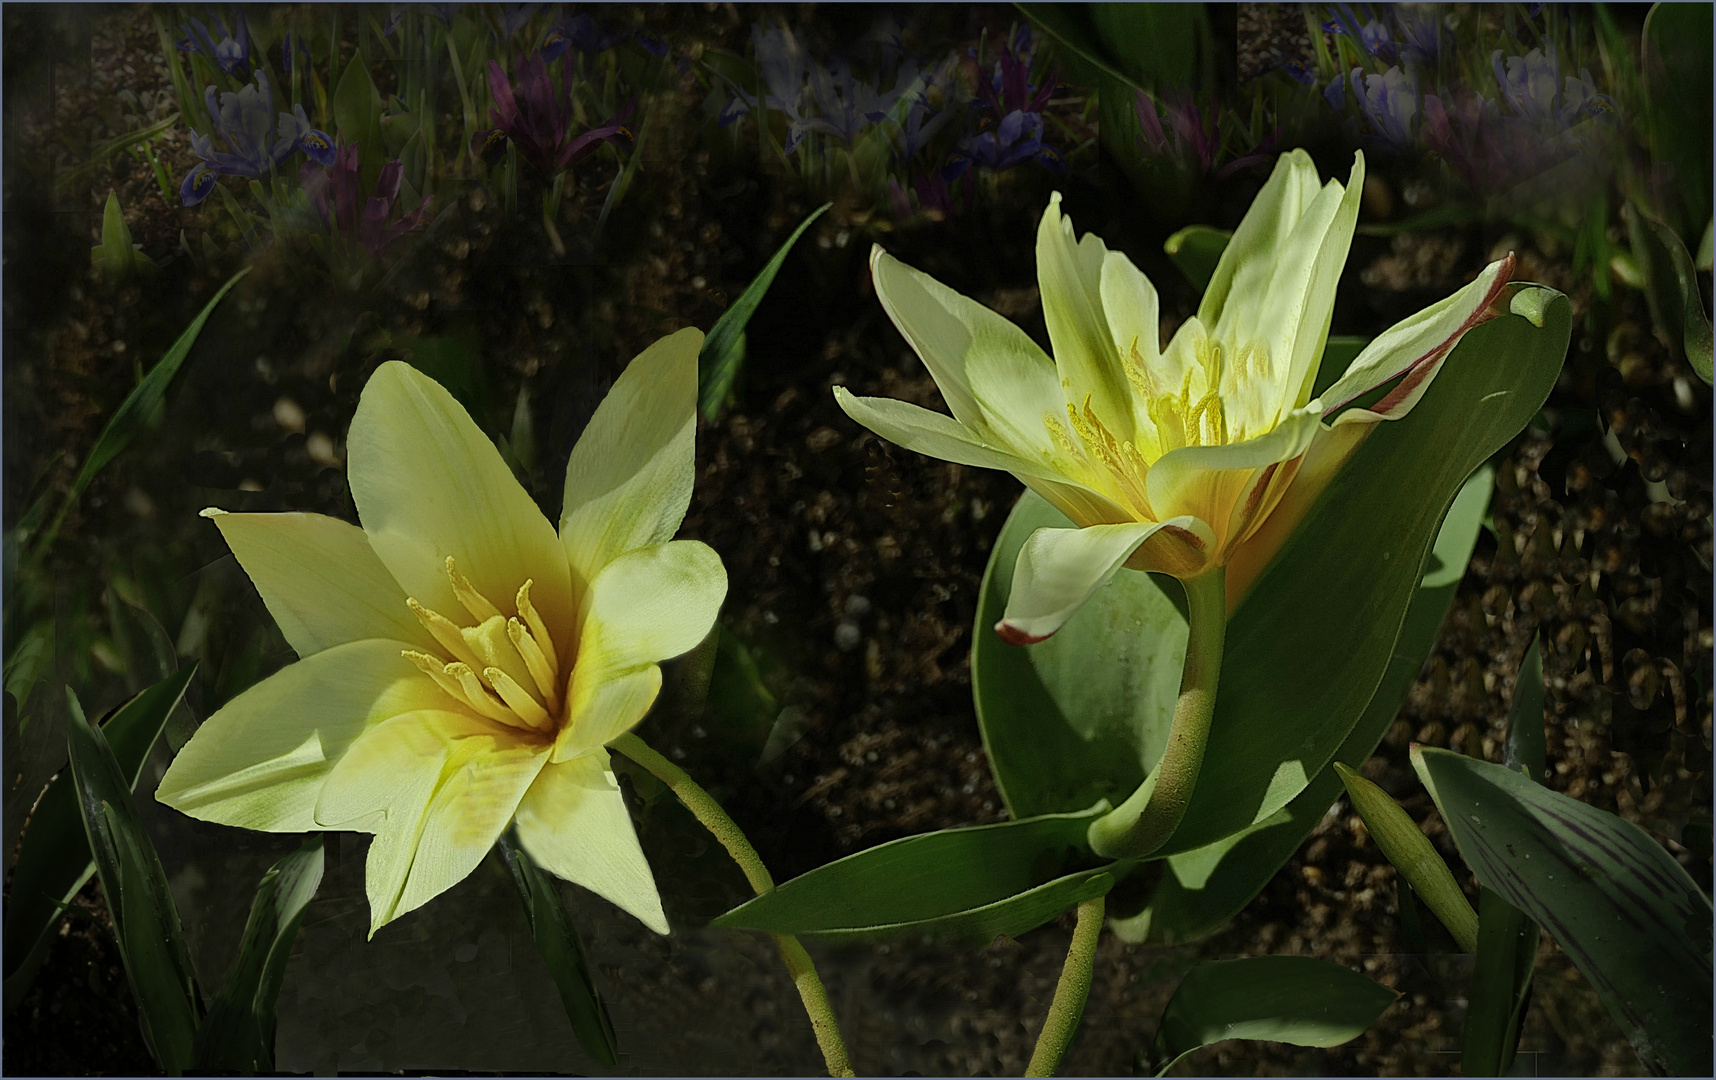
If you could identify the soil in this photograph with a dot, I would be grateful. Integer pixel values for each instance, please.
(853, 565)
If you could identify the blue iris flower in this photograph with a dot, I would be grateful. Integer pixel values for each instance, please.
(783, 64)
(255, 144)
(231, 53)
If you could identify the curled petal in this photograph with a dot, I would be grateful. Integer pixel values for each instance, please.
(198, 184)
(1059, 569)
(317, 146)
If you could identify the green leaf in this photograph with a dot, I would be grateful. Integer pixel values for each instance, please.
(966, 884)
(1507, 937)
(113, 254)
(141, 404)
(724, 349)
(1621, 907)
(237, 1035)
(1290, 999)
(1196, 249)
(53, 859)
(357, 116)
(1671, 287)
(1060, 734)
(145, 922)
(1399, 839)
(563, 950)
(1501, 982)
(65, 181)
(1677, 63)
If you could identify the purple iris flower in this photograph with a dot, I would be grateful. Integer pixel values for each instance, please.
(1372, 35)
(1390, 102)
(1530, 83)
(1580, 100)
(1420, 27)
(848, 105)
(231, 53)
(919, 127)
(255, 146)
(1299, 72)
(292, 49)
(1009, 87)
(650, 43)
(783, 64)
(1018, 138)
(1336, 94)
(539, 121)
(335, 196)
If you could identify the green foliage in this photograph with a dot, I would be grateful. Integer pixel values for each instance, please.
(1288, 701)
(1290, 999)
(723, 351)
(115, 255)
(237, 1035)
(145, 922)
(562, 949)
(1196, 249)
(54, 858)
(1620, 906)
(140, 408)
(1671, 287)
(357, 113)
(1398, 838)
(966, 884)
(1676, 68)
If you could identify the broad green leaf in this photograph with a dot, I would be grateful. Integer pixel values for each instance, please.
(724, 349)
(141, 404)
(1288, 700)
(1507, 937)
(967, 884)
(1677, 65)
(1290, 999)
(1628, 915)
(237, 1035)
(1209, 885)
(1196, 249)
(1671, 287)
(1400, 840)
(113, 254)
(357, 115)
(54, 860)
(145, 922)
(563, 950)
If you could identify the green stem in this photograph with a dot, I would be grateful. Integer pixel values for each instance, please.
(1148, 817)
(1070, 992)
(798, 963)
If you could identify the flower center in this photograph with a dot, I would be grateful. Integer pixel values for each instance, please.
(505, 668)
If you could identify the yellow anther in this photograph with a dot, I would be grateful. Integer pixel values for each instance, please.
(443, 630)
(533, 621)
(490, 641)
(434, 667)
(541, 667)
(479, 698)
(518, 699)
(1058, 433)
(475, 602)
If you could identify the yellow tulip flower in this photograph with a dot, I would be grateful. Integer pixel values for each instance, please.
(1196, 457)
(462, 664)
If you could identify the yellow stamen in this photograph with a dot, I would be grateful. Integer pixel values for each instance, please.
(479, 697)
(538, 628)
(541, 668)
(434, 668)
(475, 602)
(490, 641)
(443, 630)
(517, 698)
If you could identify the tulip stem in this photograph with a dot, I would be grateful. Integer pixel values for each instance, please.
(1146, 820)
(1070, 993)
(798, 963)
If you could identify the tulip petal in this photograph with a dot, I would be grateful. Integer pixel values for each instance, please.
(573, 822)
(320, 579)
(1208, 481)
(1246, 263)
(1069, 275)
(1133, 311)
(649, 604)
(437, 789)
(1059, 569)
(259, 762)
(428, 484)
(603, 709)
(628, 482)
(1294, 316)
(993, 376)
(939, 436)
(1415, 347)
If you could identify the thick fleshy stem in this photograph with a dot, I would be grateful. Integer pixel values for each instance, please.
(1070, 993)
(798, 963)
(1149, 816)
